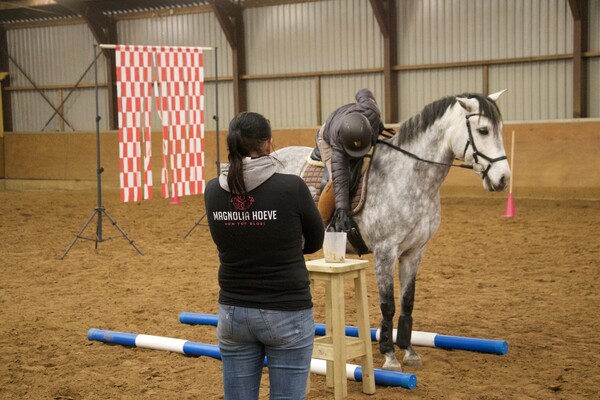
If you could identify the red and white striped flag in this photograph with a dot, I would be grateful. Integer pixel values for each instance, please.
(134, 71)
(177, 74)
(181, 104)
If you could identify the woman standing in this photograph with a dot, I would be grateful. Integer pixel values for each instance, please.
(262, 223)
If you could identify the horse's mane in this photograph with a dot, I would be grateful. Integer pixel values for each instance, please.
(433, 111)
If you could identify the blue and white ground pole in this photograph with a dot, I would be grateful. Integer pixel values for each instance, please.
(418, 338)
(354, 372)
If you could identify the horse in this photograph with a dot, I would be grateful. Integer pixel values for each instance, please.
(402, 210)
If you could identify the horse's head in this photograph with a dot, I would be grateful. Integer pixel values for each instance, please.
(482, 140)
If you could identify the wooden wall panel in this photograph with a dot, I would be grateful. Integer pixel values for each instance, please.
(551, 159)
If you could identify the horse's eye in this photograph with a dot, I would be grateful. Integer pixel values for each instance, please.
(483, 130)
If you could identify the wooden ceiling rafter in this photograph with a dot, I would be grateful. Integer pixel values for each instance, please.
(104, 30)
(231, 19)
(31, 4)
(385, 14)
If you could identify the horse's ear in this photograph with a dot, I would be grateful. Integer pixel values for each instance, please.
(495, 96)
(470, 105)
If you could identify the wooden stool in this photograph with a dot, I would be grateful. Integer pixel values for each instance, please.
(335, 347)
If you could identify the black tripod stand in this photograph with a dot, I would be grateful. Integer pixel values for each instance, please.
(99, 210)
(199, 222)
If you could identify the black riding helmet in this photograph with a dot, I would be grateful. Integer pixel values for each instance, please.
(355, 135)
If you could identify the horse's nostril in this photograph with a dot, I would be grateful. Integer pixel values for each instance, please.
(503, 183)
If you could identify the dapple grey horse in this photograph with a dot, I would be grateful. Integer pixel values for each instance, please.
(402, 210)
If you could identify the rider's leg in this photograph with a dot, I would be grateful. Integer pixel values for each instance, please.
(326, 203)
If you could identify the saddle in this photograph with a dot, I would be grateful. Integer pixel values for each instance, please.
(316, 177)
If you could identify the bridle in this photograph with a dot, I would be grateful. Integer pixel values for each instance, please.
(477, 153)
(476, 166)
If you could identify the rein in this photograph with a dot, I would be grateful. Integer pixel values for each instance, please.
(411, 155)
(476, 167)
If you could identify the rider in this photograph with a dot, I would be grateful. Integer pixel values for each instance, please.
(348, 134)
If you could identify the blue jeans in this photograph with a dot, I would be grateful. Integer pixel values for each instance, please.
(247, 335)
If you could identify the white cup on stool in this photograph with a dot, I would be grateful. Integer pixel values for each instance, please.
(334, 247)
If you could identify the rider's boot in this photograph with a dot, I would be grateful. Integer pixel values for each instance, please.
(326, 203)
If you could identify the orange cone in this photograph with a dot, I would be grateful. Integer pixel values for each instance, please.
(175, 200)
(510, 207)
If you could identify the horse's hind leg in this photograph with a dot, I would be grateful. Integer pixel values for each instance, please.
(384, 272)
(408, 267)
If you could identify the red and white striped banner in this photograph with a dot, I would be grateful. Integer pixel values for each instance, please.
(177, 75)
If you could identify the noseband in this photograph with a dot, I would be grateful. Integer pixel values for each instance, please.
(478, 168)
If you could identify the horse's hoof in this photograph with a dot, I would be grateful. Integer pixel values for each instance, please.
(391, 363)
(397, 367)
(412, 360)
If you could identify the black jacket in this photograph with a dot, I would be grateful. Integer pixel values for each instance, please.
(365, 105)
(261, 240)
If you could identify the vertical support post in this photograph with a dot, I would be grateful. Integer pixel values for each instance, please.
(231, 19)
(385, 13)
(318, 99)
(6, 97)
(3, 76)
(111, 72)
(485, 89)
(579, 10)
(389, 60)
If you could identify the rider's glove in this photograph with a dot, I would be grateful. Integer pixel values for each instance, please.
(342, 222)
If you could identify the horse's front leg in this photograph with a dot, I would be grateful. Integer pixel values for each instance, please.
(408, 265)
(384, 272)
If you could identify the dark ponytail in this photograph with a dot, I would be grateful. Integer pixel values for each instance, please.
(248, 133)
